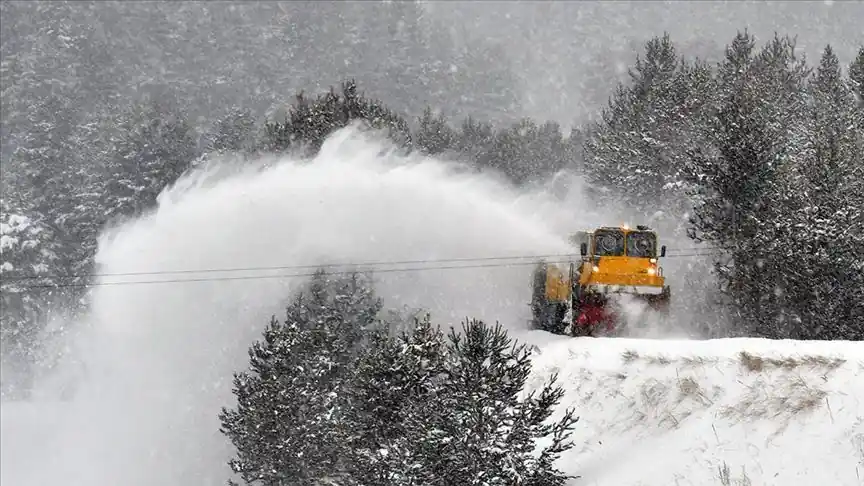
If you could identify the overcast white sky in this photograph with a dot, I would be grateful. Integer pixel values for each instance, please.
(549, 37)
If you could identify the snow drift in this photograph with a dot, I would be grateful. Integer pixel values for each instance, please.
(724, 411)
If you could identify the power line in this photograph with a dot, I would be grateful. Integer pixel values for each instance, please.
(293, 267)
(288, 275)
(325, 265)
(310, 274)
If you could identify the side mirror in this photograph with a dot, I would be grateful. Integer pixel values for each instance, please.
(583, 249)
(663, 251)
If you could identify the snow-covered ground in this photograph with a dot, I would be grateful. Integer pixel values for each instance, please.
(675, 413)
(656, 412)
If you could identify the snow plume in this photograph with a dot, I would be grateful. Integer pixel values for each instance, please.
(157, 358)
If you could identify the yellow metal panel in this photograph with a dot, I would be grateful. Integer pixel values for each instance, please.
(620, 279)
(557, 284)
(621, 271)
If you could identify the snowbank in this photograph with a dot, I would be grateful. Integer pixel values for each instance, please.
(662, 413)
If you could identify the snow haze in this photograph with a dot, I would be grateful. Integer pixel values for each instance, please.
(153, 360)
(157, 358)
(184, 288)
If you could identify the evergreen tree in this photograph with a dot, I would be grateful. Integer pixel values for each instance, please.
(526, 152)
(638, 150)
(333, 395)
(393, 397)
(475, 141)
(234, 132)
(433, 135)
(310, 122)
(745, 189)
(484, 433)
(856, 75)
(436, 412)
(827, 301)
(286, 427)
(29, 252)
(152, 145)
(46, 146)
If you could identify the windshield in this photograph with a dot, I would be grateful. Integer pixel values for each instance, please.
(609, 243)
(641, 244)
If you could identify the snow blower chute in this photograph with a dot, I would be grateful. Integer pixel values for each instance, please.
(576, 296)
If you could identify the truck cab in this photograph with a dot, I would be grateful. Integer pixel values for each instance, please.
(621, 256)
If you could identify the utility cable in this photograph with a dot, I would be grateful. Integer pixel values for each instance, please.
(293, 267)
(692, 252)
(310, 274)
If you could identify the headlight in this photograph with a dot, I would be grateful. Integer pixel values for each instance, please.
(652, 271)
(595, 268)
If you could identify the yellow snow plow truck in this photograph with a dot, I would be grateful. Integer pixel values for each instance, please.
(576, 296)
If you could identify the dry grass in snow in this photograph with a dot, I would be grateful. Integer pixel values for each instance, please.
(719, 412)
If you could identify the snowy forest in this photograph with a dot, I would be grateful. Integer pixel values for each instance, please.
(763, 149)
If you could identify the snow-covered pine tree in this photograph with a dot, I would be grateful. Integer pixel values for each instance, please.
(287, 427)
(828, 300)
(309, 122)
(638, 149)
(434, 135)
(483, 432)
(49, 177)
(527, 152)
(745, 190)
(426, 410)
(475, 140)
(856, 75)
(395, 396)
(152, 145)
(46, 146)
(333, 395)
(29, 252)
(235, 132)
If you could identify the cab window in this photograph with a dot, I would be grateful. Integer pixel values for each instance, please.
(641, 244)
(608, 243)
